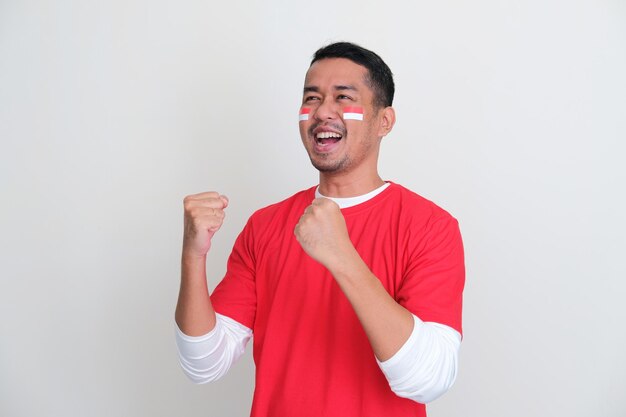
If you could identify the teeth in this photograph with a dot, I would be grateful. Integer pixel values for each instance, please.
(326, 135)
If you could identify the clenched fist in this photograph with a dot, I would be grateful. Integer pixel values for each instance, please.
(322, 232)
(204, 215)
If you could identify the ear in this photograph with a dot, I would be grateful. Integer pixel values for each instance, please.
(387, 120)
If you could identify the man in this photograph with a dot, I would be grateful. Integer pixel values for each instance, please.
(352, 289)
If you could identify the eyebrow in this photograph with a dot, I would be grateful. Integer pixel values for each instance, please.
(315, 89)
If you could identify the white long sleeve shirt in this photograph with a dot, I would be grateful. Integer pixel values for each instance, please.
(423, 369)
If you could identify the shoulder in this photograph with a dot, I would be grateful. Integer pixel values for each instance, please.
(414, 205)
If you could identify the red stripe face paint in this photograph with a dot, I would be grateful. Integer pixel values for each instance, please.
(353, 113)
(304, 114)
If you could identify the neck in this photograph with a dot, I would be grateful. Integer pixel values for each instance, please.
(348, 186)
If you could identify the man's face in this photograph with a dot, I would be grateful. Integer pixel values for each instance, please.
(337, 144)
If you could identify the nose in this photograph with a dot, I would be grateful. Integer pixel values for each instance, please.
(327, 110)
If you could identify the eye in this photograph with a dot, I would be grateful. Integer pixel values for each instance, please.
(310, 98)
(343, 97)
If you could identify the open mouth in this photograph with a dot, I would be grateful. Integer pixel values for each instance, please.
(327, 138)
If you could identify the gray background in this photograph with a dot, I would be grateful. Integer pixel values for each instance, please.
(511, 115)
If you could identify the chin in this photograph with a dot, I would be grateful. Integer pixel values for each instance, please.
(329, 166)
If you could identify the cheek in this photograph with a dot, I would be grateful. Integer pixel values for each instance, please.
(355, 130)
(303, 127)
(367, 129)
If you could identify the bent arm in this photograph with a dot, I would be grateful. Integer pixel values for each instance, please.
(387, 324)
(204, 215)
(418, 359)
(323, 235)
(390, 327)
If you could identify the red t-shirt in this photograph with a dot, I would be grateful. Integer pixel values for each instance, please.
(311, 353)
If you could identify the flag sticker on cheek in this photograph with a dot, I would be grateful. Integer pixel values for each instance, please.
(304, 114)
(353, 113)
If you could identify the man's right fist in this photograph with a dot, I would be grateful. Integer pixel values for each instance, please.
(204, 215)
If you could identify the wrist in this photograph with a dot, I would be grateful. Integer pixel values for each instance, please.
(191, 257)
(345, 263)
(193, 269)
(193, 254)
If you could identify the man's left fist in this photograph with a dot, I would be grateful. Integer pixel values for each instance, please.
(322, 232)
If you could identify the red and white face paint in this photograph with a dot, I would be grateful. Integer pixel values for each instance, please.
(349, 113)
(353, 113)
(304, 114)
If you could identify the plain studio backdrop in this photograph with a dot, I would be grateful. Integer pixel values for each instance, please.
(511, 115)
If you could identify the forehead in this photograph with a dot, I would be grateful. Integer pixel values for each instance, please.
(335, 71)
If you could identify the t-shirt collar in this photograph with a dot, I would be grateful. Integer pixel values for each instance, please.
(345, 202)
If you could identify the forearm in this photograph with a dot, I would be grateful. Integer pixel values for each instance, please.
(194, 312)
(387, 324)
(419, 359)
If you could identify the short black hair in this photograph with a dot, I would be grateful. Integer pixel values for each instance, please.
(380, 77)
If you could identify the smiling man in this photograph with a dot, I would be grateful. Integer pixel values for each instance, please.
(352, 288)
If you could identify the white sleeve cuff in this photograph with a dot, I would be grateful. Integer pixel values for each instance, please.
(425, 367)
(208, 357)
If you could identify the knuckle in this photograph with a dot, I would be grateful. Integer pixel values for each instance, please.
(195, 212)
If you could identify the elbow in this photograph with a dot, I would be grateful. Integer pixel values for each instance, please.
(200, 376)
(208, 366)
(198, 379)
(429, 382)
(426, 367)
(425, 391)
(208, 358)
